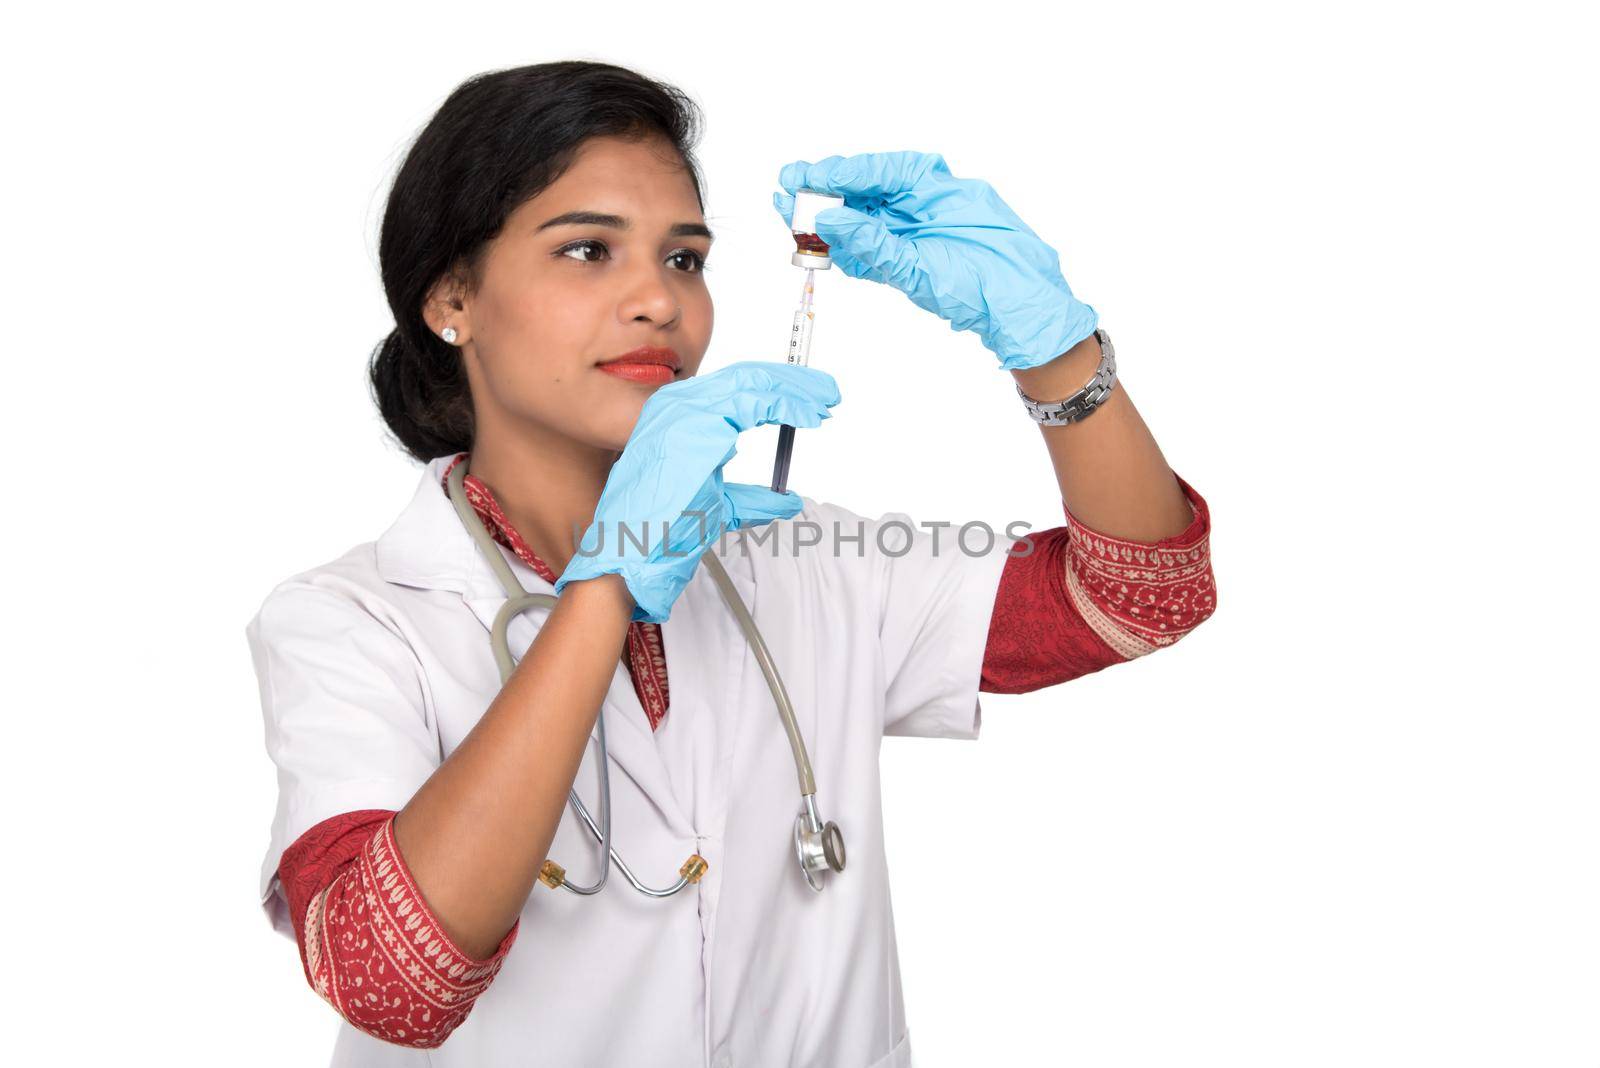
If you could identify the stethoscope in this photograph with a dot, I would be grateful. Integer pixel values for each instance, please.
(817, 845)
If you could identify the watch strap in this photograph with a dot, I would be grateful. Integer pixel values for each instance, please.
(1087, 399)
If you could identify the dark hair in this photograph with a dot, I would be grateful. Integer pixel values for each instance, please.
(497, 141)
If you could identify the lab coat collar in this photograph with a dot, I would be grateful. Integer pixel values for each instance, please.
(428, 548)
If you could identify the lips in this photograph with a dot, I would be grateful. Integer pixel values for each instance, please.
(648, 354)
(647, 363)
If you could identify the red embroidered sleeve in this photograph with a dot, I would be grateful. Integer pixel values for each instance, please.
(1083, 600)
(369, 944)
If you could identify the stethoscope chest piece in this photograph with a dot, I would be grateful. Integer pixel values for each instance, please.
(817, 845)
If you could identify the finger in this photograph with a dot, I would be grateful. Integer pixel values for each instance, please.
(785, 205)
(870, 174)
(813, 382)
(816, 386)
(758, 407)
(777, 406)
(750, 506)
(743, 395)
(864, 247)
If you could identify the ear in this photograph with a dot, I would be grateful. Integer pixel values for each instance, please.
(445, 305)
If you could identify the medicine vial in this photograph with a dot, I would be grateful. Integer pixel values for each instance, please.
(810, 251)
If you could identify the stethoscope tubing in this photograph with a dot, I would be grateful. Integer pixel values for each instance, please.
(519, 600)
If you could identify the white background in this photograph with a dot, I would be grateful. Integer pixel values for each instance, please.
(1347, 254)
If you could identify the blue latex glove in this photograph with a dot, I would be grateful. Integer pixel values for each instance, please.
(950, 244)
(671, 468)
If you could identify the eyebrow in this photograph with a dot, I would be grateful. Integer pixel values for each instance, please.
(617, 222)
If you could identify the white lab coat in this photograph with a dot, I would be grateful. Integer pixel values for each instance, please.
(374, 666)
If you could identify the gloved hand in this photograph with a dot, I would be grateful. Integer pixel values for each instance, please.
(950, 244)
(671, 468)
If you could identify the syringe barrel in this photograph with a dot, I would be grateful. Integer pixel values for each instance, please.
(800, 337)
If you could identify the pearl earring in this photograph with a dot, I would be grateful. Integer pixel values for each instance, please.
(449, 334)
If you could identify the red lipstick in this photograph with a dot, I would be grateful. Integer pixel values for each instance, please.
(650, 364)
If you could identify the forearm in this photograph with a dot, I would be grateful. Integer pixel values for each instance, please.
(477, 832)
(1110, 469)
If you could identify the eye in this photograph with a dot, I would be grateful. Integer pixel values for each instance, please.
(698, 260)
(574, 246)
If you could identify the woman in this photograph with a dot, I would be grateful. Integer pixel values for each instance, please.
(542, 251)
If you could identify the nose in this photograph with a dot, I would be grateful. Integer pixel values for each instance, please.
(649, 298)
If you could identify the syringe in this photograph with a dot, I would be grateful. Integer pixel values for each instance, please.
(799, 353)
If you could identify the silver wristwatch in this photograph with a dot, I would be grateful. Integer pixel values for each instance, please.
(1087, 399)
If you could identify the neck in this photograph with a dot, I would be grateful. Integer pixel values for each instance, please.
(546, 484)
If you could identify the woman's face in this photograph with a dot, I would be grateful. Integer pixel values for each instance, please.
(560, 298)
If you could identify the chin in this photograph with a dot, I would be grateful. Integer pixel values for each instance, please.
(613, 434)
(615, 411)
